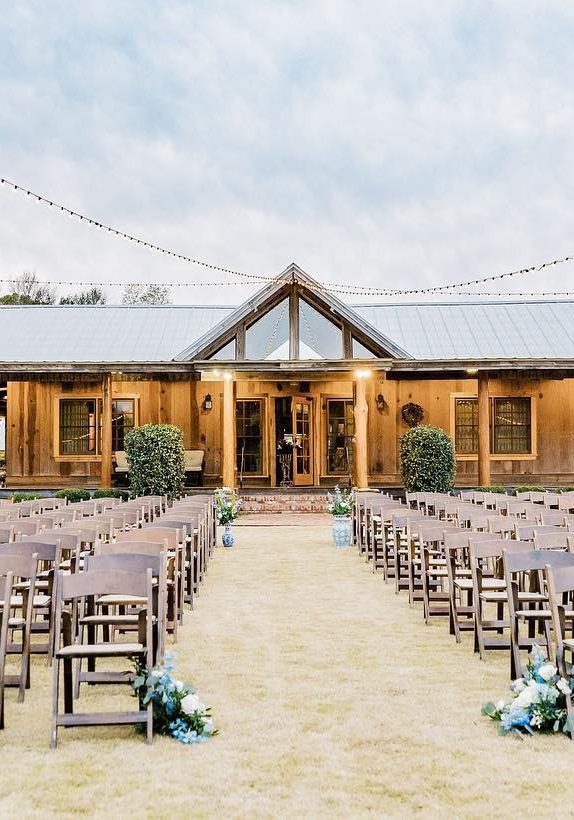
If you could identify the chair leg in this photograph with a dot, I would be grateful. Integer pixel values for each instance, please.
(25, 669)
(55, 702)
(68, 687)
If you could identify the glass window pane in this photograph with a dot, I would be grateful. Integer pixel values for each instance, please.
(123, 420)
(319, 338)
(268, 337)
(78, 427)
(225, 353)
(466, 425)
(511, 425)
(361, 352)
(248, 426)
(340, 432)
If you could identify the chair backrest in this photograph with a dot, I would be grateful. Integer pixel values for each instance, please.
(67, 540)
(552, 518)
(162, 526)
(535, 560)
(45, 552)
(524, 530)
(26, 527)
(21, 566)
(153, 535)
(130, 546)
(493, 549)
(126, 562)
(82, 584)
(6, 534)
(458, 539)
(556, 540)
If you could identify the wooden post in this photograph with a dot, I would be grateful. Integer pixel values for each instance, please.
(106, 442)
(228, 437)
(483, 431)
(361, 412)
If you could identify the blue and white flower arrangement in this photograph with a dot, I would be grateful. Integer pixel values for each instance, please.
(227, 505)
(340, 502)
(539, 700)
(177, 709)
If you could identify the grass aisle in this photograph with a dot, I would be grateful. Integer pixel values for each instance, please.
(332, 699)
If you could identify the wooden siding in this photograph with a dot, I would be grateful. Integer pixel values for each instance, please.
(31, 430)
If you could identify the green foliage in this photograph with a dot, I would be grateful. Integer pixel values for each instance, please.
(529, 488)
(568, 489)
(492, 488)
(25, 497)
(28, 290)
(111, 492)
(428, 462)
(92, 296)
(74, 494)
(156, 462)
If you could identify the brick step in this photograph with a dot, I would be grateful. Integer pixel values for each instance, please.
(288, 502)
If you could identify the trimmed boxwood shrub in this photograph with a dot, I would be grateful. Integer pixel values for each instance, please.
(25, 497)
(111, 492)
(74, 494)
(428, 462)
(155, 457)
(492, 488)
(529, 488)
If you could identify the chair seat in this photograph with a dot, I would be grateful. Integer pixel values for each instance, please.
(119, 600)
(103, 650)
(502, 596)
(487, 583)
(40, 601)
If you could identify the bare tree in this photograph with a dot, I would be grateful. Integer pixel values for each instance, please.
(146, 295)
(27, 290)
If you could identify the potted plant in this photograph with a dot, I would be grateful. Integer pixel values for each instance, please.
(340, 505)
(227, 510)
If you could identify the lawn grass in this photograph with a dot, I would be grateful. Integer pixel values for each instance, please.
(332, 699)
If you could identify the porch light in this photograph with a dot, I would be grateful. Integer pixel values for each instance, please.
(207, 402)
(472, 371)
(228, 375)
(362, 374)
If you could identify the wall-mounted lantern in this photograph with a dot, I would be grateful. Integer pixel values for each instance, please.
(207, 402)
(381, 403)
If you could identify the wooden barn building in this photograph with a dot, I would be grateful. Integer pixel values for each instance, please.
(292, 387)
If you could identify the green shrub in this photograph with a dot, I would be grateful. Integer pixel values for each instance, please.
(492, 488)
(25, 497)
(567, 489)
(155, 457)
(529, 488)
(112, 492)
(74, 494)
(428, 462)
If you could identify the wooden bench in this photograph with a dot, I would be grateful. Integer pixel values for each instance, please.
(194, 462)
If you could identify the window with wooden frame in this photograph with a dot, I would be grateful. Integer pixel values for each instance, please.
(511, 425)
(249, 439)
(340, 432)
(79, 428)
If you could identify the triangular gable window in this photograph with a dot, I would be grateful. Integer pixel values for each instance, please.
(268, 337)
(319, 338)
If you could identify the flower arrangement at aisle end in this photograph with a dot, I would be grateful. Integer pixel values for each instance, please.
(227, 507)
(539, 700)
(340, 505)
(177, 709)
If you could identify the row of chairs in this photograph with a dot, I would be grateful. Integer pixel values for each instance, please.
(42, 572)
(512, 585)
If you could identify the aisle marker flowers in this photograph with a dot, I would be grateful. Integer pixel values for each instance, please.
(340, 502)
(227, 505)
(539, 700)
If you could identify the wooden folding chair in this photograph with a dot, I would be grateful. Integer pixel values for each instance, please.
(556, 539)
(560, 583)
(5, 595)
(520, 570)
(23, 568)
(77, 589)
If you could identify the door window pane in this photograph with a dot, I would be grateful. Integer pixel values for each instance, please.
(466, 425)
(511, 425)
(302, 438)
(78, 427)
(340, 432)
(123, 420)
(249, 436)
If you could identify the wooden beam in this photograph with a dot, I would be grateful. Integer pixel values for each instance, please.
(361, 414)
(106, 442)
(240, 343)
(293, 323)
(347, 342)
(228, 438)
(483, 431)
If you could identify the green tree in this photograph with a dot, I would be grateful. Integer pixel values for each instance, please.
(93, 296)
(27, 290)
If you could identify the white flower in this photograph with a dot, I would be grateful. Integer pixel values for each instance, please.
(156, 673)
(547, 671)
(178, 685)
(518, 686)
(562, 686)
(191, 703)
(529, 695)
(500, 705)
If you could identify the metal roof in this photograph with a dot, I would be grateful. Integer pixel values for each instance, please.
(478, 330)
(141, 333)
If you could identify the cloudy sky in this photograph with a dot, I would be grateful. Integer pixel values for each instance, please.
(373, 142)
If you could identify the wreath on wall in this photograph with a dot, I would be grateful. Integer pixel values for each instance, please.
(412, 414)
